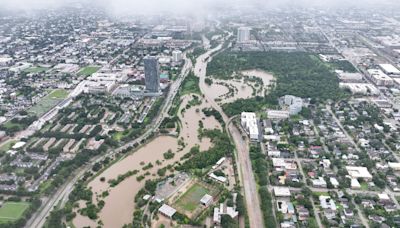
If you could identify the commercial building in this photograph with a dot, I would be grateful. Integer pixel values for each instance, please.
(249, 123)
(277, 114)
(176, 56)
(389, 69)
(360, 88)
(243, 34)
(394, 165)
(152, 74)
(380, 78)
(349, 77)
(127, 90)
(359, 172)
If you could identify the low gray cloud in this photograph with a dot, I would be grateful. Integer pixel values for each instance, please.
(185, 6)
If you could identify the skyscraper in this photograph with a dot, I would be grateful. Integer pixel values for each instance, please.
(243, 34)
(152, 74)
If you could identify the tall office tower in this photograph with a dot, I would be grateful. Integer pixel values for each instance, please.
(243, 34)
(152, 74)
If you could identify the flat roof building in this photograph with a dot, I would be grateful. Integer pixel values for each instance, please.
(249, 123)
(360, 88)
(277, 114)
(359, 172)
(282, 191)
(389, 69)
(167, 211)
(380, 78)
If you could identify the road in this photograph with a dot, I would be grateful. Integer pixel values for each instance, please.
(245, 169)
(38, 219)
(316, 215)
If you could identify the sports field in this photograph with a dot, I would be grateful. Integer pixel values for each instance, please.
(12, 211)
(191, 199)
(89, 70)
(49, 101)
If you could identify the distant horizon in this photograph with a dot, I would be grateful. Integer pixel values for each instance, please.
(137, 7)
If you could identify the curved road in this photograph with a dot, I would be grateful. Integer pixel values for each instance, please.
(242, 146)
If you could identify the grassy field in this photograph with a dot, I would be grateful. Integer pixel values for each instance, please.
(190, 85)
(12, 211)
(89, 70)
(6, 146)
(58, 94)
(8, 125)
(191, 199)
(118, 135)
(48, 102)
(36, 70)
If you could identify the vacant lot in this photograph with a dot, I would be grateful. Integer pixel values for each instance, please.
(191, 199)
(12, 211)
(48, 102)
(89, 70)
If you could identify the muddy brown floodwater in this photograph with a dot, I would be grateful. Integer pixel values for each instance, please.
(243, 90)
(119, 205)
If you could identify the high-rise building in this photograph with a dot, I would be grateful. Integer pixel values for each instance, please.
(177, 56)
(152, 74)
(243, 34)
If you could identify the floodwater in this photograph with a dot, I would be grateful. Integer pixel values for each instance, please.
(265, 76)
(219, 90)
(119, 205)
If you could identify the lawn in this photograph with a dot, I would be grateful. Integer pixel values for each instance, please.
(190, 84)
(89, 70)
(48, 102)
(12, 211)
(6, 146)
(364, 186)
(118, 135)
(191, 199)
(36, 69)
(58, 94)
(10, 125)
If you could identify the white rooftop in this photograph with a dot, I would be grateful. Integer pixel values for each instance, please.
(167, 210)
(206, 199)
(358, 172)
(389, 69)
(282, 191)
(19, 145)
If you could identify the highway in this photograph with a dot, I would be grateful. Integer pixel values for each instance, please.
(244, 163)
(61, 195)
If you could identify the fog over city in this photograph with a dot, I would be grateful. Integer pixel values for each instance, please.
(188, 6)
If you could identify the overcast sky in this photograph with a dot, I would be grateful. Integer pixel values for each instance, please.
(180, 6)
